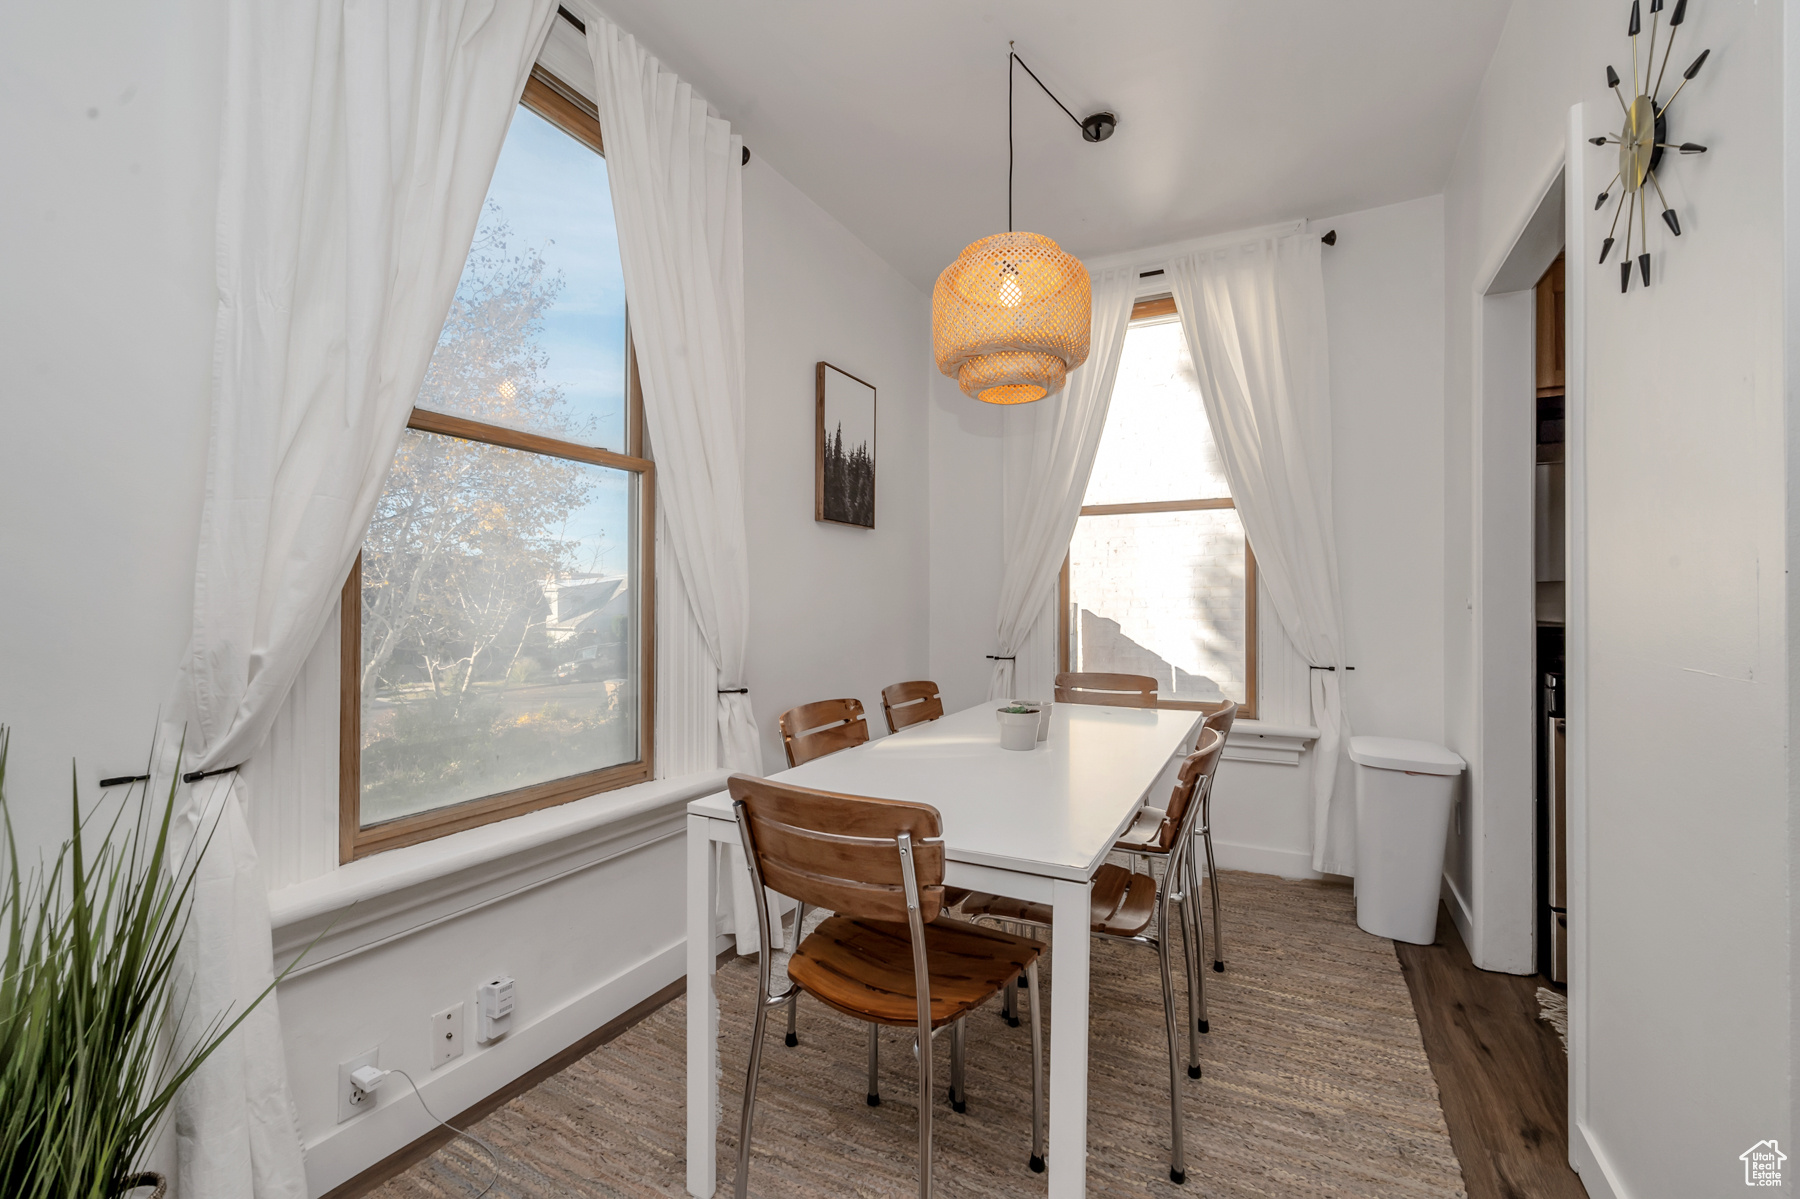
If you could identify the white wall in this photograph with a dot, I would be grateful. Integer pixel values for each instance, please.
(965, 539)
(834, 610)
(1682, 1004)
(108, 128)
(1384, 297)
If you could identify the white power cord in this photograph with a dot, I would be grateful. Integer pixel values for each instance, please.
(368, 1078)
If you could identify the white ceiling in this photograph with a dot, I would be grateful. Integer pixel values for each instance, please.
(1232, 113)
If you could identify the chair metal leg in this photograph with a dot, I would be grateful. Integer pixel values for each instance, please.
(793, 1007)
(874, 1065)
(925, 1106)
(1196, 972)
(1212, 879)
(1177, 1150)
(1193, 944)
(1037, 1072)
(959, 1095)
(756, 1042)
(1009, 1005)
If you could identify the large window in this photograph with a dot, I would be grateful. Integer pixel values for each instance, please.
(496, 635)
(1159, 580)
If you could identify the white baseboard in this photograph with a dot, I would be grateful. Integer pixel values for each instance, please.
(1587, 1160)
(1460, 914)
(399, 1119)
(1264, 859)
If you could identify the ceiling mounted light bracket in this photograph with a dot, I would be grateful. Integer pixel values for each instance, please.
(1010, 317)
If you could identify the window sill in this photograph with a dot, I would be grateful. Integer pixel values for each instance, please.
(390, 895)
(1261, 741)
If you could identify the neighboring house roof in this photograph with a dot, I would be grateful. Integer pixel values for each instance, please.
(584, 602)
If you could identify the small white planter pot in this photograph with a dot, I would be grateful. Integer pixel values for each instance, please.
(1018, 730)
(1043, 707)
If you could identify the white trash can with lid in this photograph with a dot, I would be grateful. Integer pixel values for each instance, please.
(1404, 793)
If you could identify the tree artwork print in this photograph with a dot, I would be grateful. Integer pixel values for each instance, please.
(845, 437)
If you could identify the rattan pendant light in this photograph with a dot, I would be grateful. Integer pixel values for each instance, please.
(1010, 317)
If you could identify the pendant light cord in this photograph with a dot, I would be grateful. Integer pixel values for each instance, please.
(1012, 56)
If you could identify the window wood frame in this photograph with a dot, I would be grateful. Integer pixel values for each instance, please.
(1154, 307)
(562, 106)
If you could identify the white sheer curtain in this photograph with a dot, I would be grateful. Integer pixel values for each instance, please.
(677, 197)
(1051, 447)
(356, 148)
(1253, 313)
(675, 173)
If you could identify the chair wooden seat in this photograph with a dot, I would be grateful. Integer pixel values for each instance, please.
(1151, 832)
(1124, 903)
(864, 968)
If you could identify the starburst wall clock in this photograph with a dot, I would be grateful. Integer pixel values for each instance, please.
(1642, 140)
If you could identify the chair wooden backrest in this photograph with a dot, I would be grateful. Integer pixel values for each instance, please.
(907, 704)
(841, 852)
(1222, 717)
(814, 730)
(1197, 771)
(1114, 690)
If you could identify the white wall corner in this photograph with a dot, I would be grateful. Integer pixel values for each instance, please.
(1588, 1160)
(1459, 913)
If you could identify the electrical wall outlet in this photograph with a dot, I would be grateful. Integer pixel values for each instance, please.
(352, 1100)
(493, 1008)
(447, 1035)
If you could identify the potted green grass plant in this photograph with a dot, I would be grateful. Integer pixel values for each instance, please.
(87, 991)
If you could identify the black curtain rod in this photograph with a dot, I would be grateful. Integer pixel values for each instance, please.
(1330, 239)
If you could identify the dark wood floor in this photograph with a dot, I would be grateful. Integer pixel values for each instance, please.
(1500, 1070)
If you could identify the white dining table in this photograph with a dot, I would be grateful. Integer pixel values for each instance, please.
(1030, 824)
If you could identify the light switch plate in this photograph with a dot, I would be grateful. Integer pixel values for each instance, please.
(348, 1105)
(447, 1035)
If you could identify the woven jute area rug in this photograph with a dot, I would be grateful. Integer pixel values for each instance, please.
(1316, 1083)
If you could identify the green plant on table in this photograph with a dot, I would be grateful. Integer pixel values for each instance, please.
(1019, 710)
(86, 987)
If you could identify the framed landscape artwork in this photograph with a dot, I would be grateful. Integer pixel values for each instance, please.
(844, 492)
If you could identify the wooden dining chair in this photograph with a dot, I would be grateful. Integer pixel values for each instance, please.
(1130, 906)
(814, 730)
(888, 955)
(907, 704)
(1114, 690)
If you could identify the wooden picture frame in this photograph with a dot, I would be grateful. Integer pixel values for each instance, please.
(844, 475)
